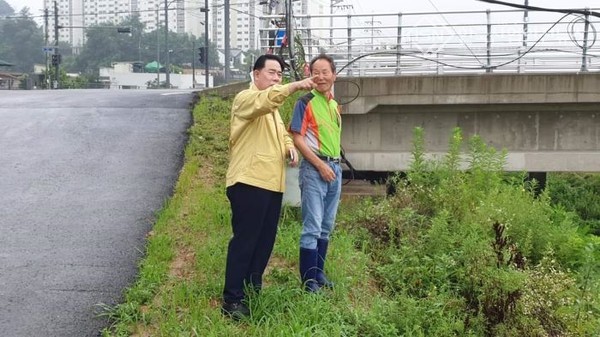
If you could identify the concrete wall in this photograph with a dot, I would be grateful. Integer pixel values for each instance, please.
(546, 122)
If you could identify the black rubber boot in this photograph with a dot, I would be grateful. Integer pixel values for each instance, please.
(308, 269)
(322, 245)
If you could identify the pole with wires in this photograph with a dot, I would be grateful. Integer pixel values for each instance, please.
(226, 42)
(167, 61)
(488, 66)
(204, 50)
(289, 33)
(585, 41)
(56, 55)
(206, 67)
(46, 38)
(157, 47)
(525, 32)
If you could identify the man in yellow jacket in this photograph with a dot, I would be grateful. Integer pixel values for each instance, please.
(259, 147)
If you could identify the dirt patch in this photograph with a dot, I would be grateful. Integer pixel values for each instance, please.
(182, 265)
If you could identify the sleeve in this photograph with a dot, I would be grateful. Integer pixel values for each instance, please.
(250, 104)
(298, 117)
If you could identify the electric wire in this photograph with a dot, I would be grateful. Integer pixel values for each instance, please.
(571, 31)
(543, 9)
(415, 55)
(454, 30)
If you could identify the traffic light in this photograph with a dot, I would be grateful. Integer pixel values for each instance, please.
(56, 59)
(202, 54)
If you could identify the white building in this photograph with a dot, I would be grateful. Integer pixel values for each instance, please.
(75, 15)
(243, 27)
(121, 76)
(184, 16)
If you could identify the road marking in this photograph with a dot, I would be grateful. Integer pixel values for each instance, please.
(174, 93)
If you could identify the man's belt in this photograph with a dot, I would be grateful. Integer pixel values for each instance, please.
(336, 160)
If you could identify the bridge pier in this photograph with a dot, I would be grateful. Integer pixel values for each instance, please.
(546, 122)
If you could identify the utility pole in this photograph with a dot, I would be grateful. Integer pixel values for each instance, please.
(194, 63)
(168, 79)
(289, 32)
(56, 52)
(525, 32)
(226, 41)
(157, 48)
(206, 67)
(525, 24)
(46, 37)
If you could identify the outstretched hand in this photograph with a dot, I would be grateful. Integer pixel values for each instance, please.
(305, 84)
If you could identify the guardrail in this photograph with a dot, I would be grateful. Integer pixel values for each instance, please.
(386, 44)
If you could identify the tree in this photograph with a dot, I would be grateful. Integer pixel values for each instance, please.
(21, 42)
(6, 9)
(105, 45)
(251, 56)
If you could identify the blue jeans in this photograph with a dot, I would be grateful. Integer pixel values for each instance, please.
(320, 201)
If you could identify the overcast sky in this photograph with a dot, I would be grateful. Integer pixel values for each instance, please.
(369, 6)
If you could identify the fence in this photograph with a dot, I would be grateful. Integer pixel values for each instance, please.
(443, 42)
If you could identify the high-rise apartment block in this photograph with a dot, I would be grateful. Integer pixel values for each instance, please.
(184, 16)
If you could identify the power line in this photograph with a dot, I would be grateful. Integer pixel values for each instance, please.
(483, 67)
(455, 32)
(544, 9)
(114, 13)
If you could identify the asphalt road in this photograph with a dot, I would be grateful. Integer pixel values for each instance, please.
(82, 173)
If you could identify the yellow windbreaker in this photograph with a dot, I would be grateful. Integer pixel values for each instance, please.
(258, 139)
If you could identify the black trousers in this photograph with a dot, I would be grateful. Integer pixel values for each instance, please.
(255, 214)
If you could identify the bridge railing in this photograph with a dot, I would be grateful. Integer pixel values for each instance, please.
(383, 44)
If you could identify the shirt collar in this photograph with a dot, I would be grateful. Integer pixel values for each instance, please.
(329, 95)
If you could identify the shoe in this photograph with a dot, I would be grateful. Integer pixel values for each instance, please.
(236, 311)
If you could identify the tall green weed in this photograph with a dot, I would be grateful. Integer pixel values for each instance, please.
(477, 253)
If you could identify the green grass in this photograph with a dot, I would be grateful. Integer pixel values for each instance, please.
(180, 281)
(453, 254)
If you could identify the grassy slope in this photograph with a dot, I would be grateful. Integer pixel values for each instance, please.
(180, 283)
(443, 280)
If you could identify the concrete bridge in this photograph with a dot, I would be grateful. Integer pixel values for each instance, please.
(547, 122)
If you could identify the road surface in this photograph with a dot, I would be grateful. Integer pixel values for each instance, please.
(82, 173)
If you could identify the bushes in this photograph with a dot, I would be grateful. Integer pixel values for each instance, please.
(464, 249)
(580, 193)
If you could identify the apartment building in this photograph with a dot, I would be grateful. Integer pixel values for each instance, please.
(243, 27)
(74, 16)
(184, 16)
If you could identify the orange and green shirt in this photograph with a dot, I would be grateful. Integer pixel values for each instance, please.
(317, 118)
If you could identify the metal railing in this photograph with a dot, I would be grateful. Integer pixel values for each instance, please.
(444, 42)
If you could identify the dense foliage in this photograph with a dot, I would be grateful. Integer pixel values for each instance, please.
(21, 42)
(475, 253)
(580, 193)
(105, 45)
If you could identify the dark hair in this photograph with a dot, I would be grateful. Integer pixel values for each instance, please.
(323, 57)
(262, 60)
